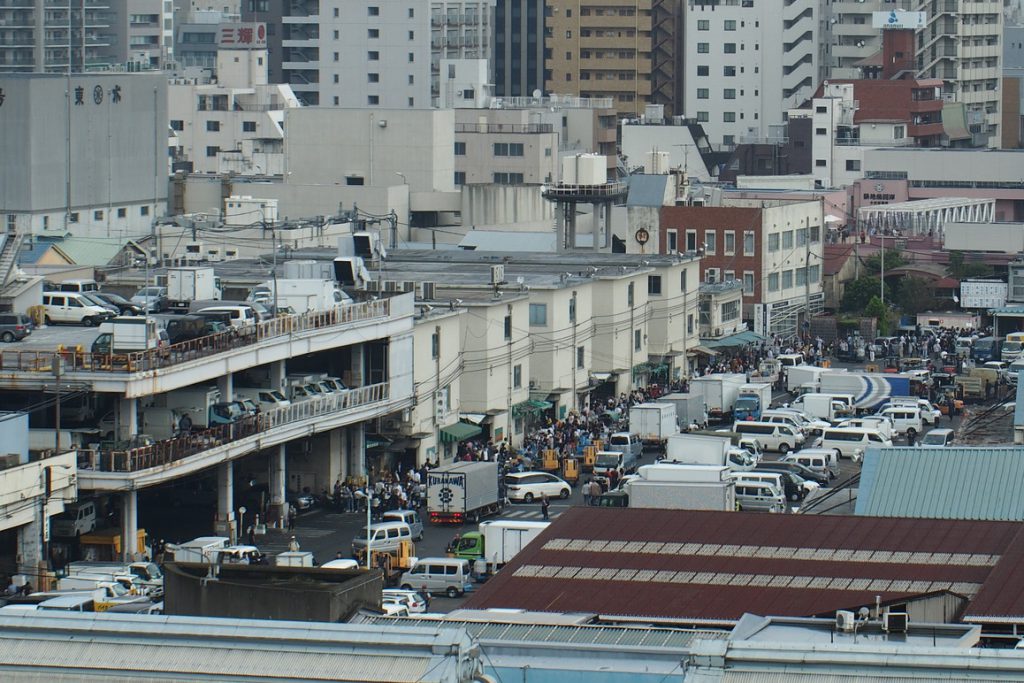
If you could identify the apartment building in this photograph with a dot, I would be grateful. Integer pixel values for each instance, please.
(431, 429)
(600, 50)
(721, 309)
(349, 54)
(108, 180)
(773, 249)
(142, 33)
(852, 39)
(962, 44)
(197, 24)
(234, 124)
(44, 36)
(747, 63)
(504, 147)
(518, 57)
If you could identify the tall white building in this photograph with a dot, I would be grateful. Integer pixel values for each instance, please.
(747, 62)
(851, 36)
(379, 54)
(962, 44)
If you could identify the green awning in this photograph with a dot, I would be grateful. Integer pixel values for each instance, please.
(530, 407)
(734, 340)
(460, 431)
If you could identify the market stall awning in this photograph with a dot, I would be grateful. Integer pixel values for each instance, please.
(738, 339)
(601, 376)
(474, 418)
(703, 349)
(460, 431)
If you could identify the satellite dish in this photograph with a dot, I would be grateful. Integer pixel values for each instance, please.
(536, 93)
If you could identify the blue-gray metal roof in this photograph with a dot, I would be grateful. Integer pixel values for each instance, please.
(980, 483)
(646, 190)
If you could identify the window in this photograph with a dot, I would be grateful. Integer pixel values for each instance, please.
(730, 311)
(703, 93)
(821, 131)
(435, 345)
(787, 279)
(337, 57)
(729, 48)
(508, 178)
(629, 294)
(801, 237)
(673, 241)
(372, 33)
(212, 151)
(412, 57)
(703, 117)
(710, 242)
(787, 239)
(143, 211)
(337, 79)
(373, 11)
(773, 241)
(654, 284)
(412, 35)
(355, 180)
(508, 149)
(730, 242)
(412, 79)
(337, 100)
(682, 281)
(373, 56)
(248, 126)
(636, 339)
(729, 71)
(373, 77)
(538, 315)
(412, 13)
(853, 164)
(748, 242)
(801, 277)
(703, 25)
(729, 93)
(517, 377)
(815, 233)
(691, 240)
(729, 276)
(729, 116)
(748, 282)
(773, 282)
(460, 177)
(97, 215)
(177, 124)
(703, 48)
(337, 35)
(122, 213)
(460, 149)
(508, 327)
(572, 308)
(373, 99)
(820, 163)
(814, 274)
(703, 71)
(689, 323)
(580, 355)
(213, 126)
(730, 24)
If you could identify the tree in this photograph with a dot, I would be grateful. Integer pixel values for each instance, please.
(956, 263)
(893, 259)
(876, 309)
(914, 295)
(858, 293)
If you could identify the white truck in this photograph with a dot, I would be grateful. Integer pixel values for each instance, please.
(185, 285)
(690, 409)
(653, 422)
(305, 295)
(129, 334)
(683, 487)
(752, 400)
(495, 544)
(800, 375)
(700, 449)
(824, 407)
(719, 391)
(147, 574)
(202, 550)
(463, 491)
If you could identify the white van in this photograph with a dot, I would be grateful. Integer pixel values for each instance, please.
(78, 286)
(241, 316)
(929, 414)
(268, 399)
(627, 443)
(820, 460)
(410, 517)
(772, 436)
(76, 520)
(906, 419)
(852, 442)
(788, 360)
(447, 575)
(72, 307)
(760, 496)
(773, 478)
(876, 423)
(387, 536)
(808, 425)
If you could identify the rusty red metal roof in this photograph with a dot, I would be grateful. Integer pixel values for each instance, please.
(702, 565)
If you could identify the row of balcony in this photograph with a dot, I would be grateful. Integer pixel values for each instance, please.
(256, 432)
(79, 360)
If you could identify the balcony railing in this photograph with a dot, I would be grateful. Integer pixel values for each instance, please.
(504, 128)
(172, 450)
(79, 360)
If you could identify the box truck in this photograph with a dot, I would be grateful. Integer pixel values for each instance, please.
(495, 544)
(869, 390)
(463, 491)
(129, 334)
(653, 422)
(303, 295)
(752, 400)
(683, 487)
(690, 409)
(185, 285)
(204, 550)
(719, 391)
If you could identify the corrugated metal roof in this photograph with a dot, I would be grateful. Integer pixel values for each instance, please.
(707, 566)
(942, 483)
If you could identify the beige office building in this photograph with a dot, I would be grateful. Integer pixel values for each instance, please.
(600, 49)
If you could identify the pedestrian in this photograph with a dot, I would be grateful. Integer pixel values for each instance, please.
(595, 492)
(544, 505)
(911, 437)
(426, 597)
(250, 534)
(293, 545)
(586, 493)
(291, 518)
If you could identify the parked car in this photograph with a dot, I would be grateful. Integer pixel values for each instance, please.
(937, 438)
(72, 307)
(796, 468)
(14, 326)
(530, 486)
(151, 299)
(416, 603)
(102, 303)
(302, 501)
(124, 306)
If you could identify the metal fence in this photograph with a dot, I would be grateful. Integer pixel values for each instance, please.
(191, 443)
(80, 360)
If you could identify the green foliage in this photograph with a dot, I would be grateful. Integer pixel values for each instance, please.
(914, 296)
(858, 293)
(876, 309)
(893, 259)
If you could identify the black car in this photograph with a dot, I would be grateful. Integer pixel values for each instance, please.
(124, 306)
(795, 468)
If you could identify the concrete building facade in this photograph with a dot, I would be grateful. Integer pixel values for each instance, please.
(518, 57)
(40, 35)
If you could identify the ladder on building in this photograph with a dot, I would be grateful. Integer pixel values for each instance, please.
(9, 256)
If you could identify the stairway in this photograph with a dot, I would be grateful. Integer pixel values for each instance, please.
(9, 256)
